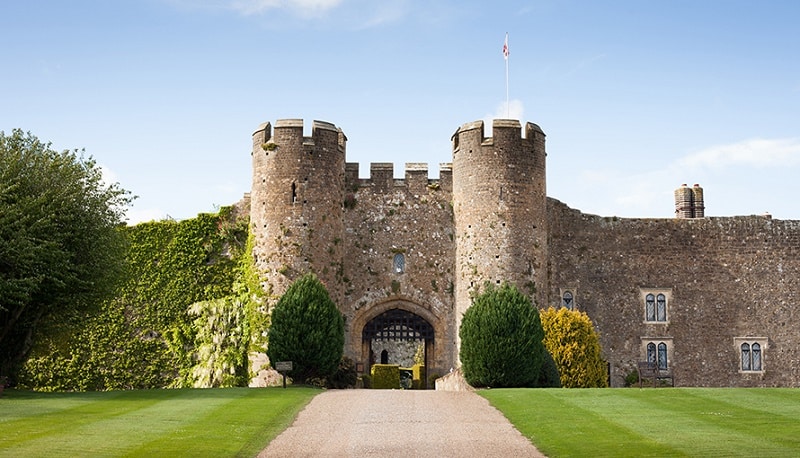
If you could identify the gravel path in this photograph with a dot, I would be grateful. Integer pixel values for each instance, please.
(389, 423)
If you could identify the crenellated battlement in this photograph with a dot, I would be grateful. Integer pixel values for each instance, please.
(289, 133)
(416, 176)
(505, 133)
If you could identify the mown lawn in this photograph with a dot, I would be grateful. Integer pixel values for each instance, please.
(757, 422)
(195, 423)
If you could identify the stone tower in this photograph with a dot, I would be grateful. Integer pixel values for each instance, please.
(296, 204)
(500, 210)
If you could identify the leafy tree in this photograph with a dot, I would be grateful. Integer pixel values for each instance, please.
(307, 329)
(501, 339)
(570, 337)
(60, 248)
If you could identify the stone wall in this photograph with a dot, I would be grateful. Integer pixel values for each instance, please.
(410, 218)
(724, 278)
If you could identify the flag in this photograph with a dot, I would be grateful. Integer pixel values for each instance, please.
(505, 48)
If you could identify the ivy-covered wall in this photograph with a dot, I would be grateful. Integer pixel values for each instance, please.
(185, 314)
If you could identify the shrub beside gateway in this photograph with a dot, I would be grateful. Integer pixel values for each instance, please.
(501, 339)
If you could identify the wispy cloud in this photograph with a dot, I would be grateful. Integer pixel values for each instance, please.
(142, 215)
(304, 7)
(755, 152)
(585, 63)
(513, 110)
(256, 7)
(649, 192)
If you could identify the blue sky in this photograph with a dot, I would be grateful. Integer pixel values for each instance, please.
(636, 97)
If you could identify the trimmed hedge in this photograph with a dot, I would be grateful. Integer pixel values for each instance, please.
(385, 376)
(419, 376)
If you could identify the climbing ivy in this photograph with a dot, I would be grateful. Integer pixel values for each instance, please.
(183, 281)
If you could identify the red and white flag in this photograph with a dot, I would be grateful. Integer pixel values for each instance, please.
(505, 48)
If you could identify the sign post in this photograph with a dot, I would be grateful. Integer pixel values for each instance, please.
(283, 367)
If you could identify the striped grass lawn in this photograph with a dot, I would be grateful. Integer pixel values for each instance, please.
(697, 422)
(152, 423)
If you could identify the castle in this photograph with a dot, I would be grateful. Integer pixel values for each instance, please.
(711, 299)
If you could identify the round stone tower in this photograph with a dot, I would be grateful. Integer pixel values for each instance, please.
(296, 204)
(500, 210)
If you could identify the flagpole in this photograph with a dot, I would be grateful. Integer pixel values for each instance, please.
(505, 54)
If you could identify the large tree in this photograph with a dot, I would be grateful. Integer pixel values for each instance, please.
(307, 329)
(60, 248)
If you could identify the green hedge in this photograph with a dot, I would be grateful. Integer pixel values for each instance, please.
(385, 376)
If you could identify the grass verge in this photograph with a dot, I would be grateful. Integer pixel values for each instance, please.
(196, 423)
(762, 422)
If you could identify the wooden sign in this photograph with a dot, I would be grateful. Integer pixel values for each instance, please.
(283, 366)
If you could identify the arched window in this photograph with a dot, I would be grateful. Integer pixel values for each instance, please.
(746, 357)
(751, 353)
(661, 308)
(567, 300)
(650, 307)
(662, 356)
(651, 353)
(399, 263)
(755, 351)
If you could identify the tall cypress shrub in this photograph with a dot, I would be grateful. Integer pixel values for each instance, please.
(501, 339)
(308, 330)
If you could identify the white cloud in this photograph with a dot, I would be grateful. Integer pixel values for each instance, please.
(305, 7)
(255, 7)
(109, 176)
(386, 12)
(512, 110)
(135, 215)
(755, 152)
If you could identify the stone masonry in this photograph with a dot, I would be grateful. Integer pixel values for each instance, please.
(416, 249)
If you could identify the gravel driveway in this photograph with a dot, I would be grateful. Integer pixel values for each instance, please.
(389, 423)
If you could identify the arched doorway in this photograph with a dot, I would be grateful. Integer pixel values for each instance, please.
(398, 337)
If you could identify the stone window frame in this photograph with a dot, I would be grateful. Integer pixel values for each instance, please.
(656, 341)
(564, 292)
(762, 342)
(656, 292)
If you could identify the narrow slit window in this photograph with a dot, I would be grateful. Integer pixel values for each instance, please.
(399, 263)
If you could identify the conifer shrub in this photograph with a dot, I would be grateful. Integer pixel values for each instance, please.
(549, 376)
(308, 330)
(575, 345)
(501, 339)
